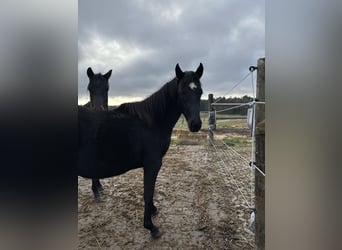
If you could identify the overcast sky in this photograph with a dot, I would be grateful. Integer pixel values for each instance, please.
(143, 40)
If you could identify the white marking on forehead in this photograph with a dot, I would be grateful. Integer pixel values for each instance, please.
(192, 86)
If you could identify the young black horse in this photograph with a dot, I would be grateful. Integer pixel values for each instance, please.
(138, 134)
(98, 87)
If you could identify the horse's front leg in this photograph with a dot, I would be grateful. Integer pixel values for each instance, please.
(150, 176)
(96, 187)
(154, 210)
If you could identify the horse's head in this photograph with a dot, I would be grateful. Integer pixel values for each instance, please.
(189, 96)
(98, 88)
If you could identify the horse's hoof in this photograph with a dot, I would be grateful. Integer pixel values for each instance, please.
(157, 234)
(98, 200)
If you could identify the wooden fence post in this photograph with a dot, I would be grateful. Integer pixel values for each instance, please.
(260, 158)
(211, 117)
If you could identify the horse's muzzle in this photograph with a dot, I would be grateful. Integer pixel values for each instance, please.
(195, 125)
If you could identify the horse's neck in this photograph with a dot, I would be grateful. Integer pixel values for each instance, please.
(171, 113)
(169, 120)
(160, 110)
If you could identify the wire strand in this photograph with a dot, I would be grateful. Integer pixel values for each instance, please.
(231, 148)
(231, 176)
(240, 105)
(235, 107)
(237, 84)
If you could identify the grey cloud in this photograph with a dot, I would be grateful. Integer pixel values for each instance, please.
(226, 36)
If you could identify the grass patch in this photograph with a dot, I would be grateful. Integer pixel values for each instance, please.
(225, 116)
(231, 124)
(176, 141)
(181, 124)
(229, 121)
(237, 141)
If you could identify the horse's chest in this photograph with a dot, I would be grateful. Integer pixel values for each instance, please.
(157, 144)
(165, 145)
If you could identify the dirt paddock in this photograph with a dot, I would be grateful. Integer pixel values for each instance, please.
(199, 206)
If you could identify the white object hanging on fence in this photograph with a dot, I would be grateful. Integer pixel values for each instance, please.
(212, 120)
(251, 225)
(250, 117)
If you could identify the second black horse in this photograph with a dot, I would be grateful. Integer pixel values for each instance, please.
(98, 87)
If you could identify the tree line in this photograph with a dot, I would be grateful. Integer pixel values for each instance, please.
(236, 111)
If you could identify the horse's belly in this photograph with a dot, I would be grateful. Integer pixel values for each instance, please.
(109, 145)
(101, 170)
(104, 171)
(93, 163)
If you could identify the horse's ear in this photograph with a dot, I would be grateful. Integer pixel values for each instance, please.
(90, 73)
(199, 70)
(179, 72)
(108, 74)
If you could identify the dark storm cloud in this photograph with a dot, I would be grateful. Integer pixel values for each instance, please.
(142, 41)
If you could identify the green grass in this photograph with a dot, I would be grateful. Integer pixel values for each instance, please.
(231, 121)
(185, 141)
(224, 116)
(237, 141)
(232, 124)
(176, 141)
(181, 124)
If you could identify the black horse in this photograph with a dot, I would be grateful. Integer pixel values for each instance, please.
(98, 87)
(138, 134)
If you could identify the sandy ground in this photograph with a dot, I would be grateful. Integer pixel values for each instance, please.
(197, 197)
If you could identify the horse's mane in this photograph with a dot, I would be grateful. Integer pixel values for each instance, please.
(151, 109)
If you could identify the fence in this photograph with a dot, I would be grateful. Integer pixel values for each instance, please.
(257, 156)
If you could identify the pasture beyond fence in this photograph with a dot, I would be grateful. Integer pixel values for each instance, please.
(254, 199)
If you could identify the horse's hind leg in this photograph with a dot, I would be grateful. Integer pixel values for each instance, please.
(98, 184)
(96, 187)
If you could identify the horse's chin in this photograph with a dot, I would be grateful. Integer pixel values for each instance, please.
(194, 130)
(195, 127)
